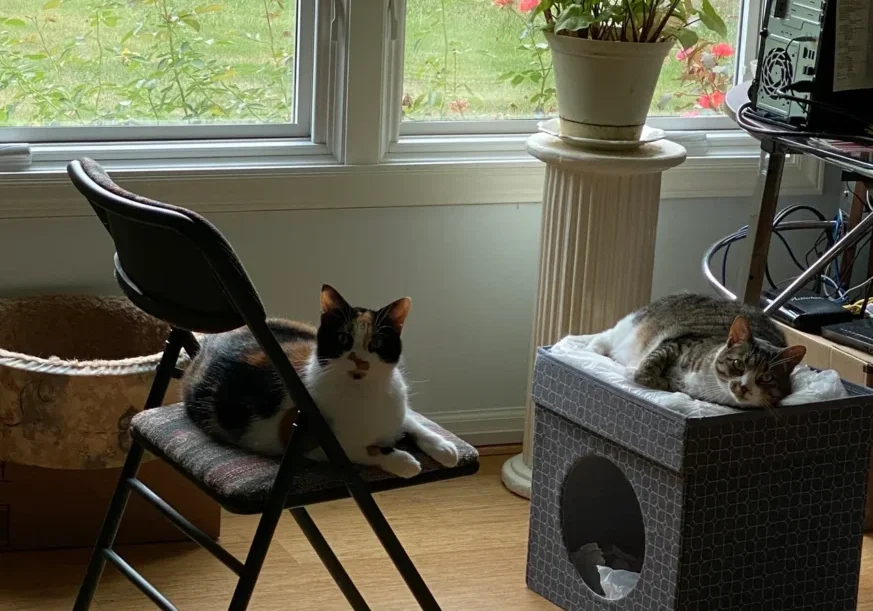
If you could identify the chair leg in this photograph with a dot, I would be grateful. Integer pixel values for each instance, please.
(245, 587)
(331, 562)
(109, 529)
(392, 545)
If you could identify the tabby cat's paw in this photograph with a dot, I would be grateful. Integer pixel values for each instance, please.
(443, 452)
(401, 464)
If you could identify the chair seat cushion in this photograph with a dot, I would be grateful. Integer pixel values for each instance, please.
(241, 481)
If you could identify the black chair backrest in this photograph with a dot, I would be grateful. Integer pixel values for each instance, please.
(169, 261)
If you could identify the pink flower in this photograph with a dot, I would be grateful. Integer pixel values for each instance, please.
(526, 6)
(722, 49)
(459, 105)
(691, 113)
(714, 100)
(683, 54)
(501, 3)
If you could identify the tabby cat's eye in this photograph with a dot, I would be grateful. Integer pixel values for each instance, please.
(345, 339)
(737, 365)
(765, 378)
(375, 344)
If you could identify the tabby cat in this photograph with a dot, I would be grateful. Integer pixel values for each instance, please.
(350, 366)
(711, 349)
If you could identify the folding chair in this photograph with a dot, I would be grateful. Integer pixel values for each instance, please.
(175, 265)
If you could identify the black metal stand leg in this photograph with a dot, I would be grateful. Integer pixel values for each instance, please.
(109, 529)
(766, 199)
(331, 562)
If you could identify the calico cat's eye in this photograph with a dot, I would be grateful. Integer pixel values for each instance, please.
(344, 339)
(765, 378)
(737, 365)
(375, 344)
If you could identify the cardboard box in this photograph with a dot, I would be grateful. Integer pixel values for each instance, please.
(51, 508)
(852, 365)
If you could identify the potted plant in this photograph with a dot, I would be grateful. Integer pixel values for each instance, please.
(608, 54)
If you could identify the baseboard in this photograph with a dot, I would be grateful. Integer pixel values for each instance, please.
(480, 427)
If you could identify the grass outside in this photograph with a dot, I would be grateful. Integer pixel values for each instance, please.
(81, 61)
(106, 61)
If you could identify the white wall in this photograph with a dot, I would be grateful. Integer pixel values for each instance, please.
(471, 271)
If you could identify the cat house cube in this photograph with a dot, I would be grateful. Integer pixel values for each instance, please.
(740, 511)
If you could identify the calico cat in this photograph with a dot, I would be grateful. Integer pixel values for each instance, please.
(711, 349)
(350, 366)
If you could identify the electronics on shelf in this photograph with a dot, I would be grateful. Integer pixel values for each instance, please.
(815, 65)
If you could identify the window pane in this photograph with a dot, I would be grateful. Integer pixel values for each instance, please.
(474, 59)
(140, 62)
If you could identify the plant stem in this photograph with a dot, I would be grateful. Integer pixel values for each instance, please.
(152, 104)
(245, 105)
(45, 45)
(445, 59)
(664, 20)
(270, 29)
(273, 53)
(99, 67)
(26, 85)
(51, 58)
(174, 57)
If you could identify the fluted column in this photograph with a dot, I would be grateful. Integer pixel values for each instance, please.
(597, 248)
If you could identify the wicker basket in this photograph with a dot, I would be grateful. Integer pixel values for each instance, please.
(74, 369)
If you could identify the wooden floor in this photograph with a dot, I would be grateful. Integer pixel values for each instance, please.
(468, 538)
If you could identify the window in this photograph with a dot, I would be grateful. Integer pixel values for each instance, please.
(477, 60)
(128, 69)
(253, 83)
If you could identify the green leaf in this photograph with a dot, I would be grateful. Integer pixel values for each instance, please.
(111, 20)
(209, 8)
(51, 4)
(710, 18)
(517, 80)
(191, 21)
(687, 37)
(575, 18)
(13, 21)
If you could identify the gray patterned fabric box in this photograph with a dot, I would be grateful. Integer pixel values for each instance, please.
(738, 512)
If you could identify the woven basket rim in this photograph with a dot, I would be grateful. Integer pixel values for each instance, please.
(99, 367)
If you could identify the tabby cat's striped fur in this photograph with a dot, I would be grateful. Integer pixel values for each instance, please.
(711, 349)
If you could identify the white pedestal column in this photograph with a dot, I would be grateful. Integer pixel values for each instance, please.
(597, 248)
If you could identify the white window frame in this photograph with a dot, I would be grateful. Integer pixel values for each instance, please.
(356, 154)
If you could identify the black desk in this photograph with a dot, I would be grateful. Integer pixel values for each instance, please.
(766, 198)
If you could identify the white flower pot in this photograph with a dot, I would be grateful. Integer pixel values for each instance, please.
(605, 88)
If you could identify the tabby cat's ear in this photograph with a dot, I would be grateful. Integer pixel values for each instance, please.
(395, 313)
(331, 300)
(741, 332)
(791, 357)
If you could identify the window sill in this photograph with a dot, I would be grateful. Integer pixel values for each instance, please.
(420, 171)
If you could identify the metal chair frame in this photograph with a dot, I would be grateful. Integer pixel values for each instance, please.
(123, 217)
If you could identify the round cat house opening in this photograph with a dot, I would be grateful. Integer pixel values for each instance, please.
(73, 370)
(603, 526)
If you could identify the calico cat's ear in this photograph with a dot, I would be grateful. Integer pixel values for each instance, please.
(331, 300)
(396, 313)
(791, 357)
(741, 332)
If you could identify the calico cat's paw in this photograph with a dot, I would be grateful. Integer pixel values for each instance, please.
(441, 451)
(401, 464)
